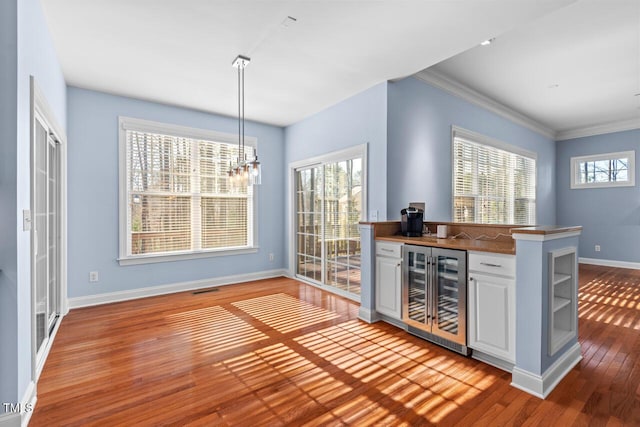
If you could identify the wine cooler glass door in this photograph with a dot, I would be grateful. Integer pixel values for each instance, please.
(449, 301)
(416, 296)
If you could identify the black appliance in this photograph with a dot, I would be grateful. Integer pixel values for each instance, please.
(411, 224)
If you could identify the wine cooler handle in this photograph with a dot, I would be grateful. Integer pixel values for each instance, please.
(427, 292)
(434, 267)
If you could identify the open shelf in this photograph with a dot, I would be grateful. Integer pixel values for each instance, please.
(558, 278)
(563, 298)
(560, 303)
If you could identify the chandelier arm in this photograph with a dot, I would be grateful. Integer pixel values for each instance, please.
(239, 117)
(243, 156)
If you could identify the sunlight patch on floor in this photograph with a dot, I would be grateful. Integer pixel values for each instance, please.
(284, 313)
(214, 329)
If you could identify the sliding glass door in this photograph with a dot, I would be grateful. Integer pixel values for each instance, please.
(328, 207)
(46, 234)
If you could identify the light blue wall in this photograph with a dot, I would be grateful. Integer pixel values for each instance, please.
(419, 149)
(610, 217)
(8, 207)
(93, 196)
(26, 50)
(358, 120)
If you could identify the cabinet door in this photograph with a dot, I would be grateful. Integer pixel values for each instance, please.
(492, 315)
(388, 281)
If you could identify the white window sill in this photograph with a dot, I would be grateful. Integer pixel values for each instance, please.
(155, 258)
(602, 185)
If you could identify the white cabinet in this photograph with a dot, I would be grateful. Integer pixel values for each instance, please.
(389, 279)
(492, 301)
(563, 307)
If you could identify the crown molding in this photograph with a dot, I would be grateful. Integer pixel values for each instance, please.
(618, 126)
(456, 88)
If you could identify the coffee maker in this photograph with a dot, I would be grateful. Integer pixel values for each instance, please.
(411, 224)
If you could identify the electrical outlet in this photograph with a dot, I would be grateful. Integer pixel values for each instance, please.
(374, 215)
(271, 257)
(597, 248)
(93, 276)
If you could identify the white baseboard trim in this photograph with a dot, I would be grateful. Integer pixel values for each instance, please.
(541, 385)
(20, 414)
(30, 399)
(369, 316)
(392, 321)
(10, 419)
(106, 298)
(610, 263)
(492, 360)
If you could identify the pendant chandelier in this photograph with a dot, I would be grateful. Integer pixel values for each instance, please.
(244, 173)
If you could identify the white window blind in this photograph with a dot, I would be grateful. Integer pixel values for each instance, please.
(178, 197)
(491, 183)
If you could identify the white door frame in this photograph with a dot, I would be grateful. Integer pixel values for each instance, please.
(39, 108)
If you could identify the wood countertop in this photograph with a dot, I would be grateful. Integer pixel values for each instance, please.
(545, 229)
(460, 244)
(468, 237)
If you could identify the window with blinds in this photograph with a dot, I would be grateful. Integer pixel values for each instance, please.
(176, 194)
(493, 182)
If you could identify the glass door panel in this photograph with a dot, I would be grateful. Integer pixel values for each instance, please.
(417, 290)
(40, 243)
(447, 303)
(342, 213)
(309, 223)
(450, 295)
(52, 231)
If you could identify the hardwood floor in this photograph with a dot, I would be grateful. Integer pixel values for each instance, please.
(278, 352)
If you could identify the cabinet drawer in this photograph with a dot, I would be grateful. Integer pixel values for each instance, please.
(499, 264)
(393, 250)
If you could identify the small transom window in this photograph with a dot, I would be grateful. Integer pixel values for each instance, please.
(603, 170)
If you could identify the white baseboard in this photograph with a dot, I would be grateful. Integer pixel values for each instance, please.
(106, 298)
(541, 385)
(390, 320)
(23, 409)
(492, 360)
(610, 263)
(10, 419)
(369, 316)
(30, 399)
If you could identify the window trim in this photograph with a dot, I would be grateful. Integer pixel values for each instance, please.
(575, 161)
(478, 138)
(140, 125)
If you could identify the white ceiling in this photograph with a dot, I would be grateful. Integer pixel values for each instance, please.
(179, 52)
(589, 49)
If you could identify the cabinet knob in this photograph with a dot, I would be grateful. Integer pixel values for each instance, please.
(471, 279)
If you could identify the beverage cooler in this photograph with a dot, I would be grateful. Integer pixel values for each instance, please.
(434, 295)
